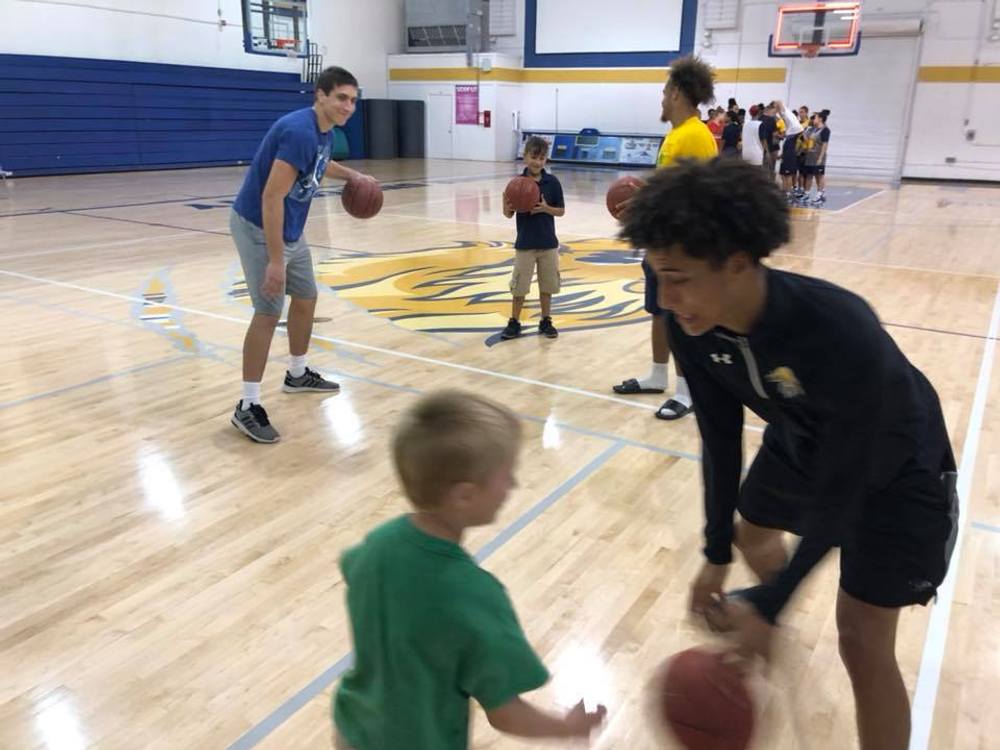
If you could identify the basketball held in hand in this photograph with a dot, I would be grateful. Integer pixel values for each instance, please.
(362, 197)
(621, 191)
(523, 194)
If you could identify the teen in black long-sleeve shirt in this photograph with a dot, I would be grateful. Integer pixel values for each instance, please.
(855, 453)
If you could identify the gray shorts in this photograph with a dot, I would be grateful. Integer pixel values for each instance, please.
(300, 281)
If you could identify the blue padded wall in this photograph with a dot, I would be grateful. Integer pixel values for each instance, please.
(62, 115)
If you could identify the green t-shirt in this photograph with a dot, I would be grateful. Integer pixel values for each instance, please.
(431, 629)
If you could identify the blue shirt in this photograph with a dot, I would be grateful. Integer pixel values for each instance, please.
(296, 139)
(538, 231)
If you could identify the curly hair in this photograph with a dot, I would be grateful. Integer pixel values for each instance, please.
(712, 210)
(694, 78)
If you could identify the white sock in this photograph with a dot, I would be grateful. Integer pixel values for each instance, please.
(251, 394)
(296, 365)
(683, 394)
(657, 377)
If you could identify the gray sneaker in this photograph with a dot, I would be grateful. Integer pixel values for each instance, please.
(309, 381)
(253, 423)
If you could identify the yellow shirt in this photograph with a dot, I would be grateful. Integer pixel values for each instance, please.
(690, 140)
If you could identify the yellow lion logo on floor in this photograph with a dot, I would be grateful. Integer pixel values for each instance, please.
(465, 287)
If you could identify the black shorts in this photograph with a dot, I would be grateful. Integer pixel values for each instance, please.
(896, 554)
(789, 159)
(652, 289)
(811, 169)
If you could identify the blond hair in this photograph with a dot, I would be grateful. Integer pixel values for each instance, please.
(448, 437)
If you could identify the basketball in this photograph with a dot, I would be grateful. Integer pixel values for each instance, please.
(704, 702)
(620, 191)
(362, 198)
(523, 194)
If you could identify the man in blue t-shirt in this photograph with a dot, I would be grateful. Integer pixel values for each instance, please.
(267, 222)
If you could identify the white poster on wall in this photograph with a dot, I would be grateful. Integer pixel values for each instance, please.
(566, 26)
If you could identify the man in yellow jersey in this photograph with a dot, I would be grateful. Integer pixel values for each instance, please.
(691, 83)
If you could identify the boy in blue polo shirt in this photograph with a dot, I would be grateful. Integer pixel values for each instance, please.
(537, 244)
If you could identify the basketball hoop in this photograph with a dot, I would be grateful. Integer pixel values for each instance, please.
(811, 50)
(289, 46)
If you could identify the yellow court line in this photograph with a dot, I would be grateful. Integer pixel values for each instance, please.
(578, 75)
(927, 74)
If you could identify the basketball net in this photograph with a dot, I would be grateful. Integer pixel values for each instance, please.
(810, 50)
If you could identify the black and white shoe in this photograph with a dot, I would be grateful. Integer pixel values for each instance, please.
(253, 423)
(309, 382)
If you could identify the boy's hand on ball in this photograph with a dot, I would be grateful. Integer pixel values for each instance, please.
(581, 722)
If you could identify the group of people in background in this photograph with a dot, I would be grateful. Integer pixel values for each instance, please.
(796, 143)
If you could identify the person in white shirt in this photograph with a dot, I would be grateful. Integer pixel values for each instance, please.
(789, 158)
(753, 151)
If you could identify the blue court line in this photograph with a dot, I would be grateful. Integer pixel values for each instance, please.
(986, 527)
(979, 336)
(547, 502)
(194, 230)
(166, 201)
(624, 441)
(285, 711)
(424, 182)
(132, 323)
(527, 417)
(93, 381)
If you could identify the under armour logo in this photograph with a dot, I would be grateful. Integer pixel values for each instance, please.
(722, 359)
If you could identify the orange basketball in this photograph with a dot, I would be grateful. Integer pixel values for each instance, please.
(705, 703)
(523, 194)
(362, 199)
(620, 191)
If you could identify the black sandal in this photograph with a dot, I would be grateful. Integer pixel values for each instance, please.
(631, 386)
(677, 410)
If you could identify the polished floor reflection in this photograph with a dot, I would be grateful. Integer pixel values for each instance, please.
(165, 583)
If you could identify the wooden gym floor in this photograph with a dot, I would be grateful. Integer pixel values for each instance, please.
(168, 584)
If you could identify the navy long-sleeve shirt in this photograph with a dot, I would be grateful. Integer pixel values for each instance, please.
(834, 388)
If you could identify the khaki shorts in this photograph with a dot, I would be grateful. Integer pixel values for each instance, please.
(524, 269)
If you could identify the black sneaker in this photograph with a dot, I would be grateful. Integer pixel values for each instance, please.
(310, 380)
(512, 331)
(547, 329)
(253, 423)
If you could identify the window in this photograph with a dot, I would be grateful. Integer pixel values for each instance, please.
(275, 27)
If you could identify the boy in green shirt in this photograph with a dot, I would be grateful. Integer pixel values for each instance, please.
(431, 628)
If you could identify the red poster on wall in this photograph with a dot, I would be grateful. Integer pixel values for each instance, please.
(466, 105)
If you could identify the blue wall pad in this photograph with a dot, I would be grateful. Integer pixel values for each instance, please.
(60, 115)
